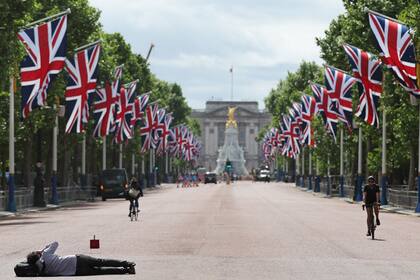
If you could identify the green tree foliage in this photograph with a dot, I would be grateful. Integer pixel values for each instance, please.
(353, 28)
(83, 27)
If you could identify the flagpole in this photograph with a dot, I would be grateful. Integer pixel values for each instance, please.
(231, 83)
(358, 196)
(317, 187)
(297, 170)
(54, 195)
(384, 16)
(384, 179)
(341, 162)
(151, 180)
(87, 45)
(303, 168)
(133, 162)
(328, 176)
(120, 157)
(310, 170)
(104, 152)
(68, 11)
(11, 205)
(418, 176)
(83, 177)
(167, 166)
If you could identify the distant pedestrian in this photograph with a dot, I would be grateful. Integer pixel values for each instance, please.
(50, 264)
(194, 180)
(180, 180)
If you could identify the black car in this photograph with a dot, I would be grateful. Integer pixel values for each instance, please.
(114, 183)
(210, 177)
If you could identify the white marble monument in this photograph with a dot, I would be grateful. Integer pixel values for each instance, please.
(231, 151)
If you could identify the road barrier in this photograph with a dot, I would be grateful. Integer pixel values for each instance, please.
(399, 196)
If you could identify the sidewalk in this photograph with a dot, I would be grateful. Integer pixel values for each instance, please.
(7, 214)
(386, 208)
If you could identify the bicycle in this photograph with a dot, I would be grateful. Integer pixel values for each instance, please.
(134, 213)
(372, 226)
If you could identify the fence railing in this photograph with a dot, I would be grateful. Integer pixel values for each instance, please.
(398, 195)
(24, 196)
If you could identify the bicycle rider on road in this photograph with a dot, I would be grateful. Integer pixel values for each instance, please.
(134, 193)
(371, 199)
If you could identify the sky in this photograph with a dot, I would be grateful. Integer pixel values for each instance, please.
(198, 41)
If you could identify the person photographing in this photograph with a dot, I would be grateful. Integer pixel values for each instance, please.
(50, 264)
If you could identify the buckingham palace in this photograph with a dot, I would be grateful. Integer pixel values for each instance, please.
(212, 120)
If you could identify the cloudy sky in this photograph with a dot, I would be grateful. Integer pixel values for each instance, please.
(197, 41)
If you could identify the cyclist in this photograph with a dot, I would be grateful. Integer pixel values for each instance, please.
(372, 202)
(134, 193)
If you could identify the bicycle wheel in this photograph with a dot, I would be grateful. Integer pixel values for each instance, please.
(373, 230)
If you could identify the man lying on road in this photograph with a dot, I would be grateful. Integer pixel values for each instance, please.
(50, 264)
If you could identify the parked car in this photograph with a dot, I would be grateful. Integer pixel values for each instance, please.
(114, 183)
(263, 175)
(210, 177)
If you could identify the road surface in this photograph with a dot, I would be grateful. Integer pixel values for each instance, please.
(243, 231)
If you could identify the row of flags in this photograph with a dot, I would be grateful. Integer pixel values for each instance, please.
(333, 101)
(117, 109)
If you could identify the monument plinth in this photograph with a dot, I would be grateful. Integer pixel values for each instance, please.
(231, 151)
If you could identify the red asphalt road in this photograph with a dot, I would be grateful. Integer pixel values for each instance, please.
(245, 231)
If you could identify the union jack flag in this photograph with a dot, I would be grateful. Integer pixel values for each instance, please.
(292, 135)
(368, 72)
(158, 126)
(326, 107)
(104, 106)
(124, 114)
(140, 104)
(397, 49)
(147, 130)
(338, 85)
(308, 112)
(175, 134)
(115, 93)
(46, 48)
(83, 71)
(164, 134)
(188, 147)
(103, 111)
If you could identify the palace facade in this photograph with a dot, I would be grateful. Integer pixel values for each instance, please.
(212, 120)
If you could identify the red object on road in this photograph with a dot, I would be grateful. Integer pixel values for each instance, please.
(94, 243)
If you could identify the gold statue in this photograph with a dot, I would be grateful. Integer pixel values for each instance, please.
(231, 117)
